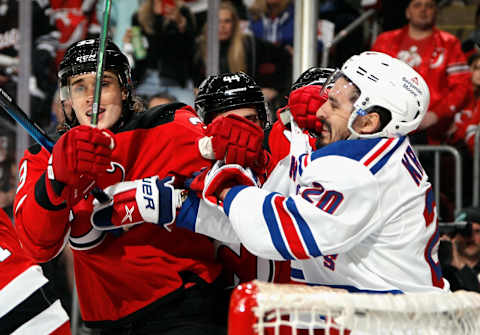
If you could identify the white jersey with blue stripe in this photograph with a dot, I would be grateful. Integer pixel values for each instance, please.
(360, 215)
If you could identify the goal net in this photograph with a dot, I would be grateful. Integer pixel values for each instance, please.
(280, 309)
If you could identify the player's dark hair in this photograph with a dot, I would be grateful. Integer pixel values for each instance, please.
(383, 113)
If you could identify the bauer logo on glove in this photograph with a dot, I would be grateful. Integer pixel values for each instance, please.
(149, 199)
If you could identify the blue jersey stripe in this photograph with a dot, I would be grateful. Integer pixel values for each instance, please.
(353, 289)
(227, 202)
(187, 217)
(381, 163)
(272, 225)
(297, 273)
(353, 149)
(307, 235)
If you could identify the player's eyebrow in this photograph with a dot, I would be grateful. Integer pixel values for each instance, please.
(108, 76)
(76, 81)
(333, 101)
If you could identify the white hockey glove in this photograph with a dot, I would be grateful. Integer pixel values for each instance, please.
(149, 199)
(222, 176)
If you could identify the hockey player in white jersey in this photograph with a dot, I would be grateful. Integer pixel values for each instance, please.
(358, 213)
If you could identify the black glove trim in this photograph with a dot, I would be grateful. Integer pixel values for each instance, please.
(41, 194)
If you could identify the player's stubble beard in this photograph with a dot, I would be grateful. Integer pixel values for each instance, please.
(319, 143)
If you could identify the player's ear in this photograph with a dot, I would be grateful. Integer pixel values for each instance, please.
(367, 124)
(124, 94)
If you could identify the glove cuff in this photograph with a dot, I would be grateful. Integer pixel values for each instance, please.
(54, 190)
(147, 199)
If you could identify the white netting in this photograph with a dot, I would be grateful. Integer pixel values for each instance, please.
(305, 307)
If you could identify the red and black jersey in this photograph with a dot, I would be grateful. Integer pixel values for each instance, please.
(23, 290)
(118, 275)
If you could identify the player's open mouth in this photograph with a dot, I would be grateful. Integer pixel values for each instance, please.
(100, 111)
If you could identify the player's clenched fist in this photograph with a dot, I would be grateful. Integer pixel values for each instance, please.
(149, 199)
(82, 150)
(78, 157)
(236, 140)
(304, 103)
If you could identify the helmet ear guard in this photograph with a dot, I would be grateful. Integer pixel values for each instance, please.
(390, 84)
(224, 92)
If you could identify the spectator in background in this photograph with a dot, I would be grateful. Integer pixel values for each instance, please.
(469, 46)
(272, 20)
(467, 120)
(8, 170)
(120, 17)
(160, 98)
(462, 131)
(168, 27)
(44, 44)
(342, 13)
(460, 253)
(240, 52)
(75, 20)
(438, 57)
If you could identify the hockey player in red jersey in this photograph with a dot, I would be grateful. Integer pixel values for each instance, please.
(27, 304)
(151, 277)
(238, 94)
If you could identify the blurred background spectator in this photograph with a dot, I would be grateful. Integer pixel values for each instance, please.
(342, 13)
(120, 17)
(75, 20)
(273, 21)
(44, 45)
(460, 252)
(437, 56)
(168, 27)
(160, 98)
(469, 46)
(466, 121)
(268, 63)
(8, 170)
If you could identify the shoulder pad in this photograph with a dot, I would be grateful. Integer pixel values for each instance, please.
(154, 116)
(35, 149)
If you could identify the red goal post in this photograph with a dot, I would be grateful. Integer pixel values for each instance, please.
(276, 309)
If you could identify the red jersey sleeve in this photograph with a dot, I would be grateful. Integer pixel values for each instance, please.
(458, 77)
(41, 226)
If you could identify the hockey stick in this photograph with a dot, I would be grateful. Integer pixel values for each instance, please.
(31, 127)
(38, 134)
(100, 62)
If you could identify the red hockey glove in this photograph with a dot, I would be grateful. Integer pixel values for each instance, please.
(221, 176)
(150, 200)
(78, 157)
(236, 140)
(304, 103)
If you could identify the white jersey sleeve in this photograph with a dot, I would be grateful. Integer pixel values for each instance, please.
(197, 216)
(335, 206)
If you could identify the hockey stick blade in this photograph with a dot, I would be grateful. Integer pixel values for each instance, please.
(38, 134)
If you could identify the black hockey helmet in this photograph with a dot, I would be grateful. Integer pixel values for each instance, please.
(81, 57)
(224, 92)
(313, 76)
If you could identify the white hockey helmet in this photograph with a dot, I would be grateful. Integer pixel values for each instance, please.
(389, 83)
